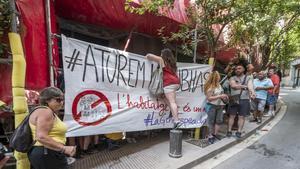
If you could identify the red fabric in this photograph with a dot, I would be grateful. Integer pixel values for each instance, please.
(276, 81)
(112, 14)
(5, 73)
(5, 85)
(34, 38)
(224, 55)
(169, 77)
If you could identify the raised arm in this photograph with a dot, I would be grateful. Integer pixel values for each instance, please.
(156, 59)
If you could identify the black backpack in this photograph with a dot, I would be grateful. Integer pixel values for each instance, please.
(21, 140)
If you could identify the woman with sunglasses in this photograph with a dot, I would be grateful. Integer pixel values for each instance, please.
(49, 150)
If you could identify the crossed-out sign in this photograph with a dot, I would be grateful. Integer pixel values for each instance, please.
(90, 108)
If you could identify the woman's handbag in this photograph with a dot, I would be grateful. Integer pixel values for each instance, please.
(21, 140)
(234, 99)
(156, 82)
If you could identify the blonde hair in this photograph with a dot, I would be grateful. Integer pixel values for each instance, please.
(212, 82)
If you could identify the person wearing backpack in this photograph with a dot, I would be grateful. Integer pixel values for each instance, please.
(49, 150)
(171, 81)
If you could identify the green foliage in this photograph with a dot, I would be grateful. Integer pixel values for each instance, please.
(4, 22)
(267, 26)
(204, 15)
(148, 6)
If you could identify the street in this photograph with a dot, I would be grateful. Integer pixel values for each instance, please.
(279, 149)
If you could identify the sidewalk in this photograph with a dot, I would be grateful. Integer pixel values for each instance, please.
(152, 153)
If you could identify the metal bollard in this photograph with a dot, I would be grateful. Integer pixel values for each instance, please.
(175, 143)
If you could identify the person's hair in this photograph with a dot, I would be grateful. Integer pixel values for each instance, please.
(272, 68)
(212, 82)
(243, 65)
(49, 93)
(169, 59)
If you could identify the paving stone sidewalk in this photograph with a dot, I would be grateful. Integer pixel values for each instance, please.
(152, 153)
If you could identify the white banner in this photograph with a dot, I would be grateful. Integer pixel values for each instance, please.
(107, 91)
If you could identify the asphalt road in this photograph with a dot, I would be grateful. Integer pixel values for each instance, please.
(280, 148)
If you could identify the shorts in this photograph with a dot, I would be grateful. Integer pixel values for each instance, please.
(272, 99)
(171, 88)
(258, 105)
(215, 115)
(242, 109)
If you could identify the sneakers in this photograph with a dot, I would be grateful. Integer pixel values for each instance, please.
(270, 113)
(229, 134)
(70, 160)
(177, 124)
(211, 140)
(170, 115)
(253, 120)
(273, 113)
(238, 135)
(259, 120)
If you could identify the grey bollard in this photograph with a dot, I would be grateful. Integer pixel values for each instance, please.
(175, 143)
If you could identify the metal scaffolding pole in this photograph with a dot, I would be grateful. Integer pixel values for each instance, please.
(195, 45)
(49, 41)
(13, 16)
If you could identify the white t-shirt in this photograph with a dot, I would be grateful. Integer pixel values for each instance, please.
(216, 92)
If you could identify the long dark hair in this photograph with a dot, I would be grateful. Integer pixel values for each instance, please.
(169, 59)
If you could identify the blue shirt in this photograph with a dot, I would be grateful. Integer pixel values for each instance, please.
(262, 94)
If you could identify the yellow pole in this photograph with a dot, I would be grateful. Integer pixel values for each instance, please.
(18, 91)
(2, 103)
(211, 61)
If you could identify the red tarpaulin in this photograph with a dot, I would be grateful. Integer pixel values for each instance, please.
(5, 85)
(226, 54)
(33, 34)
(106, 13)
(34, 38)
(112, 14)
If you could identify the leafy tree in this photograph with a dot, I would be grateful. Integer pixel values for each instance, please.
(208, 18)
(264, 29)
(289, 49)
(258, 27)
(4, 23)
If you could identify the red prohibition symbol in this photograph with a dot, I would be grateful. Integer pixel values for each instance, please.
(101, 99)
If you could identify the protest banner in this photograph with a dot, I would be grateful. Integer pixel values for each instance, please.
(107, 91)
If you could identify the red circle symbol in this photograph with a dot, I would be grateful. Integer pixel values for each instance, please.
(101, 99)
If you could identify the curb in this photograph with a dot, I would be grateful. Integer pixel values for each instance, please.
(231, 144)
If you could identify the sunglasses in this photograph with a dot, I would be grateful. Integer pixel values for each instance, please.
(59, 100)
